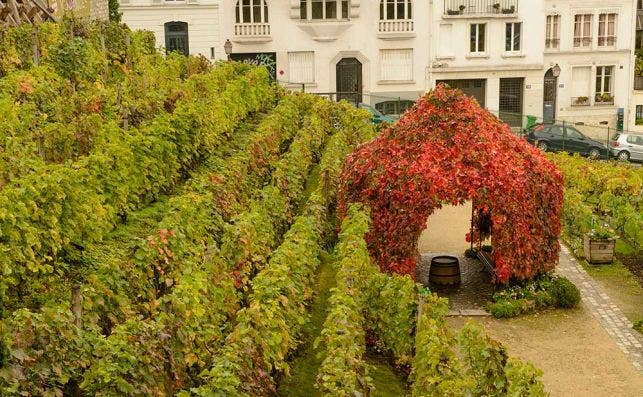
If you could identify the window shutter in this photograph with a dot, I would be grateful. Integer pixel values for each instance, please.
(301, 67)
(396, 65)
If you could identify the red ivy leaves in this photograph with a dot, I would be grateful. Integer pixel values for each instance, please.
(447, 150)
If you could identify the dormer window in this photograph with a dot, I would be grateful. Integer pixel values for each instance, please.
(252, 11)
(324, 9)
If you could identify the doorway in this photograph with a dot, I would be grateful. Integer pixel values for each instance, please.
(176, 37)
(550, 88)
(349, 80)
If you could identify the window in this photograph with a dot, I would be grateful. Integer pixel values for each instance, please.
(552, 31)
(556, 130)
(301, 67)
(639, 115)
(512, 36)
(396, 65)
(573, 133)
(639, 41)
(476, 40)
(604, 83)
(583, 30)
(581, 84)
(252, 11)
(176, 37)
(323, 9)
(606, 30)
(395, 9)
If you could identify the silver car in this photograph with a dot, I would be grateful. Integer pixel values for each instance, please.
(625, 146)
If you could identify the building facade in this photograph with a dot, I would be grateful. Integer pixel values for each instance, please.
(187, 26)
(635, 115)
(566, 60)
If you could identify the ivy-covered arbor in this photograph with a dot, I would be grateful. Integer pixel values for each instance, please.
(447, 149)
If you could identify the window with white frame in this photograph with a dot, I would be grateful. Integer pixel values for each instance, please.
(512, 36)
(477, 37)
(252, 11)
(301, 67)
(583, 30)
(323, 9)
(604, 83)
(395, 9)
(552, 32)
(396, 65)
(606, 30)
(581, 84)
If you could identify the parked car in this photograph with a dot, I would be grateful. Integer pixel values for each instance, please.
(564, 138)
(378, 117)
(625, 146)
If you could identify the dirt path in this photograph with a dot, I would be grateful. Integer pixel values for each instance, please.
(576, 354)
(447, 229)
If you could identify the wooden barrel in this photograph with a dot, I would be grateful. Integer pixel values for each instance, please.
(445, 270)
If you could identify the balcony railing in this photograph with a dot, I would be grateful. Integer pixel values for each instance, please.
(585, 41)
(473, 7)
(396, 26)
(552, 43)
(638, 83)
(606, 41)
(581, 101)
(252, 29)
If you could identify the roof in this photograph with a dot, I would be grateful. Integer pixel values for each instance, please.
(17, 12)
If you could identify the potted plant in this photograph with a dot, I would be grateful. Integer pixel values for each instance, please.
(496, 8)
(453, 12)
(509, 10)
(581, 100)
(604, 98)
(599, 243)
(462, 7)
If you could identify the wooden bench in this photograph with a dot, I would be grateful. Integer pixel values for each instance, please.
(487, 262)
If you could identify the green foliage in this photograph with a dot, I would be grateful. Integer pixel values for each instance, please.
(114, 13)
(486, 361)
(436, 369)
(565, 293)
(599, 193)
(524, 379)
(638, 326)
(544, 291)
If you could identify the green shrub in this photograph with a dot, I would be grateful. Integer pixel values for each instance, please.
(507, 308)
(565, 293)
(638, 326)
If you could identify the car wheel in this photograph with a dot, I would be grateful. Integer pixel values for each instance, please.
(623, 156)
(594, 153)
(542, 146)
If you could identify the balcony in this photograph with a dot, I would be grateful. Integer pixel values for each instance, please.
(395, 29)
(481, 8)
(638, 83)
(252, 32)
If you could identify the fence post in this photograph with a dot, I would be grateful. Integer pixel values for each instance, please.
(607, 143)
(564, 135)
(399, 106)
(303, 87)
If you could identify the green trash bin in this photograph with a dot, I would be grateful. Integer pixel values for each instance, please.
(531, 121)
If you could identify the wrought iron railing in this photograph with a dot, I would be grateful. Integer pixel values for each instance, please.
(603, 99)
(252, 29)
(552, 43)
(396, 26)
(469, 7)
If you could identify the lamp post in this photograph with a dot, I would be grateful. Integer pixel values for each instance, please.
(227, 47)
(555, 70)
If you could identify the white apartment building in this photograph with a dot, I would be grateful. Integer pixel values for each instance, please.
(374, 51)
(635, 119)
(592, 43)
(187, 26)
(492, 50)
(554, 59)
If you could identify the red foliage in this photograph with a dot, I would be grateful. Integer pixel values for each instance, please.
(448, 150)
